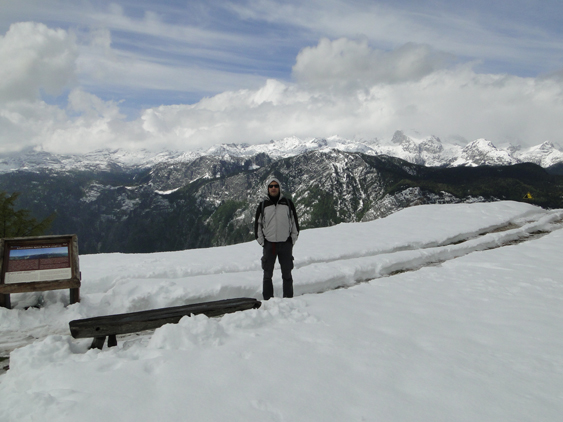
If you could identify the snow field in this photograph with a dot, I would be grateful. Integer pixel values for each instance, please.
(471, 338)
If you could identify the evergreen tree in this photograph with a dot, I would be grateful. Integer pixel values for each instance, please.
(19, 223)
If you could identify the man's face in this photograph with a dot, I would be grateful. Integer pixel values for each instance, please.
(274, 189)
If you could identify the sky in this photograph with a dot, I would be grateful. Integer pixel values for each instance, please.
(77, 76)
(30, 252)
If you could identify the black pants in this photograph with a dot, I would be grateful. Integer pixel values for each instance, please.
(284, 253)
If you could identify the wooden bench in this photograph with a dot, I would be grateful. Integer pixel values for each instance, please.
(111, 325)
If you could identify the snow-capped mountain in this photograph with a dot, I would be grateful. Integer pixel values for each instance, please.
(545, 155)
(118, 201)
(483, 152)
(33, 160)
(212, 200)
(429, 151)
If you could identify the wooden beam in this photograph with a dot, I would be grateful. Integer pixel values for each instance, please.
(39, 286)
(74, 295)
(112, 341)
(98, 343)
(112, 325)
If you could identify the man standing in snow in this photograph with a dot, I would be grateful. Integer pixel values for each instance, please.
(276, 229)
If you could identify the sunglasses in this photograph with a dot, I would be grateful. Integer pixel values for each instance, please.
(273, 186)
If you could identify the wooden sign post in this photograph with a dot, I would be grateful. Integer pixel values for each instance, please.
(33, 264)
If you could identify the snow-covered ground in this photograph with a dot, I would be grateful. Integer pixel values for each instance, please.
(435, 313)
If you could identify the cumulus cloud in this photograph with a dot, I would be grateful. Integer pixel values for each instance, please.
(351, 62)
(341, 87)
(523, 37)
(34, 58)
(455, 102)
(411, 87)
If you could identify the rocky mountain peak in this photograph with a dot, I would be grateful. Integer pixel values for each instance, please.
(483, 152)
(431, 145)
(399, 137)
(428, 151)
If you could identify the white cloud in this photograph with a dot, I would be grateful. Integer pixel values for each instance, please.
(343, 87)
(91, 107)
(34, 58)
(118, 70)
(382, 95)
(523, 38)
(345, 61)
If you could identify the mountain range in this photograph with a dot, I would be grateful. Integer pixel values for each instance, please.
(118, 201)
(428, 151)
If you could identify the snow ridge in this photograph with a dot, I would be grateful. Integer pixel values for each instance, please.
(479, 331)
(426, 150)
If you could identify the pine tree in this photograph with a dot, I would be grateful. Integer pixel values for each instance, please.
(19, 223)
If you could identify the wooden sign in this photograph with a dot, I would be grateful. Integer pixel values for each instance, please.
(31, 264)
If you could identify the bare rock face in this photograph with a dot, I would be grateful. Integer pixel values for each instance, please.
(483, 153)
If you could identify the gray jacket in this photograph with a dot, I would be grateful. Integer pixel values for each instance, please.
(276, 221)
